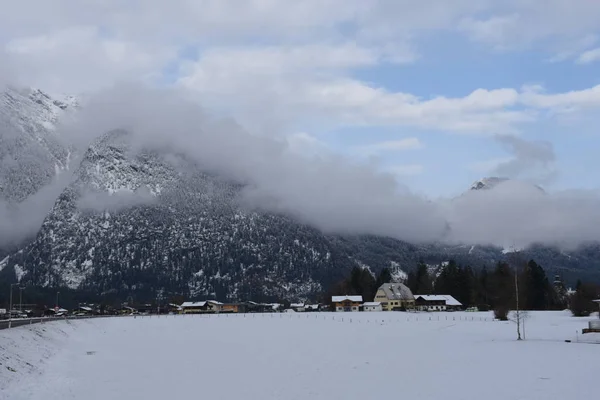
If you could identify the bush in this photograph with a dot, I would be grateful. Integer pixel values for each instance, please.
(581, 302)
(501, 313)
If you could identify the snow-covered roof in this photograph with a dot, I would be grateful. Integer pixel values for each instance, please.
(312, 306)
(297, 305)
(372, 303)
(339, 299)
(450, 301)
(199, 303)
(85, 308)
(193, 304)
(396, 291)
(596, 301)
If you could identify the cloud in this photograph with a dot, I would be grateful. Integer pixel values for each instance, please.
(557, 27)
(303, 143)
(81, 57)
(405, 170)
(487, 166)
(518, 213)
(21, 221)
(589, 56)
(94, 201)
(338, 195)
(328, 191)
(412, 143)
(531, 160)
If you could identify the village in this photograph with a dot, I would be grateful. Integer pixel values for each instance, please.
(389, 297)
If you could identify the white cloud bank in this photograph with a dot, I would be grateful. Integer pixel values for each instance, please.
(336, 194)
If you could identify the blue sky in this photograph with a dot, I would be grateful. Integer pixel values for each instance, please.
(421, 87)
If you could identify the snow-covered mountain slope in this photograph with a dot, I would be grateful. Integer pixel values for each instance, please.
(141, 222)
(31, 153)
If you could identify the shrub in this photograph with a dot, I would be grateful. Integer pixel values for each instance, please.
(501, 313)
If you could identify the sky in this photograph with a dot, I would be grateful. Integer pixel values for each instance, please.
(423, 89)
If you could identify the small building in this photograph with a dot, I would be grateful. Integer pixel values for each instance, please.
(128, 310)
(312, 307)
(395, 296)
(84, 310)
(372, 306)
(346, 303)
(60, 312)
(298, 307)
(173, 308)
(436, 302)
(232, 308)
(202, 307)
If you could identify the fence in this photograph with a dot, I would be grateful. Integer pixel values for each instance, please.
(15, 322)
(331, 316)
(349, 317)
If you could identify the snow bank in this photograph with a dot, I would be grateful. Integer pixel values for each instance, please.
(25, 352)
(347, 356)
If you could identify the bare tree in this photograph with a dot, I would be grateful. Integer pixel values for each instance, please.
(516, 261)
(519, 317)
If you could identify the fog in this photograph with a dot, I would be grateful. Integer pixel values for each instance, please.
(22, 221)
(94, 201)
(331, 192)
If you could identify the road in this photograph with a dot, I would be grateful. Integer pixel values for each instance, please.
(15, 322)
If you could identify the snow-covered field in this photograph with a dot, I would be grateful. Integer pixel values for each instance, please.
(300, 356)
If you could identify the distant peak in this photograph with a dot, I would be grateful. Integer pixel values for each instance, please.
(487, 183)
(493, 181)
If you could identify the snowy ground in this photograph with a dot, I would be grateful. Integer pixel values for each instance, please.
(300, 356)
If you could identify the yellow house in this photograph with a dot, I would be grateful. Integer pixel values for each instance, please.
(395, 296)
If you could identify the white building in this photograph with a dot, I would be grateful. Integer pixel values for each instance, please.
(436, 302)
(197, 307)
(298, 307)
(372, 306)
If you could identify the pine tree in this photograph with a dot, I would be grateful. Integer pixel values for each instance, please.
(385, 276)
(419, 281)
(502, 290)
(582, 304)
(536, 288)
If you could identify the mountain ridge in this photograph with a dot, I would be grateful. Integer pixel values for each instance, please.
(151, 222)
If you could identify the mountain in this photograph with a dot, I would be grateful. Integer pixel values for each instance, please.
(145, 222)
(493, 181)
(487, 183)
(31, 153)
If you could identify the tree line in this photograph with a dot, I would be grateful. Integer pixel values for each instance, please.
(488, 289)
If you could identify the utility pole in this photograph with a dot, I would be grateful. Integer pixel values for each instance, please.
(10, 305)
(518, 311)
(57, 308)
(515, 261)
(21, 298)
